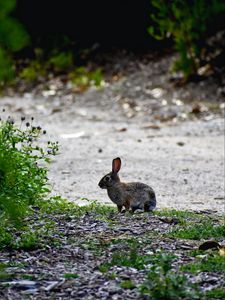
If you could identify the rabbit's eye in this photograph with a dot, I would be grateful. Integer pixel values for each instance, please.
(107, 178)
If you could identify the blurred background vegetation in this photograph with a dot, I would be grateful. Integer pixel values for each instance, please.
(38, 37)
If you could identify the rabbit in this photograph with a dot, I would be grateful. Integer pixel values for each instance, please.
(133, 195)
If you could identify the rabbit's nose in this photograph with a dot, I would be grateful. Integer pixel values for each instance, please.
(100, 184)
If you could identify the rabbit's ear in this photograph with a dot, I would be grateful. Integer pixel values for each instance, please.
(116, 164)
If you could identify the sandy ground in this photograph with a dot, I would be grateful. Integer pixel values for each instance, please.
(182, 158)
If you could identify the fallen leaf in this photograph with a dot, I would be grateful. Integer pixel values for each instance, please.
(222, 251)
(122, 129)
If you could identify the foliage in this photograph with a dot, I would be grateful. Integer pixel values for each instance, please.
(39, 67)
(23, 174)
(83, 78)
(33, 71)
(161, 281)
(13, 38)
(206, 229)
(164, 283)
(61, 61)
(186, 21)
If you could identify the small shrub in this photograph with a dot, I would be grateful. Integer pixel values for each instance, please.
(186, 22)
(23, 169)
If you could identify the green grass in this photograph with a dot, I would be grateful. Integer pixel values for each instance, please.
(218, 293)
(210, 262)
(183, 215)
(28, 277)
(70, 275)
(196, 231)
(58, 205)
(127, 284)
(192, 225)
(129, 257)
(161, 281)
(132, 257)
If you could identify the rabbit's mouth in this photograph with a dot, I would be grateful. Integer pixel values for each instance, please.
(102, 186)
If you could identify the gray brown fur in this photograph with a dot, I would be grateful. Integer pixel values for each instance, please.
(133, 195)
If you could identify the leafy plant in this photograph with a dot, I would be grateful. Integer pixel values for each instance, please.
(164, 283)
(13, 37)
(23, 176)
(186, 22)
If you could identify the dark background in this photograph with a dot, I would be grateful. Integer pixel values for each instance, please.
(117, 23)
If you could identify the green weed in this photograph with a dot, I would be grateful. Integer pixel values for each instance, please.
(28, 277)
(218, 293)
(70, 275)
(127, 284)
(164, 283)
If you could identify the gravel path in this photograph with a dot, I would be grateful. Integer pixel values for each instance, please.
(162, 139)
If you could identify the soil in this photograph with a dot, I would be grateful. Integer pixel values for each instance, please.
(168, 136)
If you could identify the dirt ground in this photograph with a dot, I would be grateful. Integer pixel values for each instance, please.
(163, 137)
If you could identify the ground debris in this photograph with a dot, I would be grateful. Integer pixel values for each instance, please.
(75, 266)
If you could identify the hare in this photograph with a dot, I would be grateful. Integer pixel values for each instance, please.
(134, 195)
